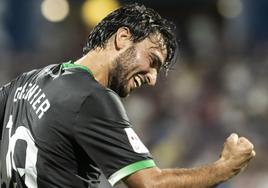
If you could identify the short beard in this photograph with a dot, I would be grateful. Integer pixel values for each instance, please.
(117, 77)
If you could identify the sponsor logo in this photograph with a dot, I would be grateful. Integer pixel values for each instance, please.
(135, 142)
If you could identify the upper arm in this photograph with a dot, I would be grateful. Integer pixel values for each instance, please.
(103, 130)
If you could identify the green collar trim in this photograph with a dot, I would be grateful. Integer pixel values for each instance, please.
(70, 65)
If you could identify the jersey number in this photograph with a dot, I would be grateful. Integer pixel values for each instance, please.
(22, 133)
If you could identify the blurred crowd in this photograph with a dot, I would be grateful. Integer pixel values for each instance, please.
(218, 85)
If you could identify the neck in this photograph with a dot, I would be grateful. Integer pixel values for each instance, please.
(99, 64)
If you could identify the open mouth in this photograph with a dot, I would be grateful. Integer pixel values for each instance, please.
(138, 81)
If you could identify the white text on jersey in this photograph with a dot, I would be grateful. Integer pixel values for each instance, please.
(35, 96)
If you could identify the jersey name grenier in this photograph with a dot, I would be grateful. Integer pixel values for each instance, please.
(33, 94)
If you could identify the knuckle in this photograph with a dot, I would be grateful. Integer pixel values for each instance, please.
(232, 138)
(251, 146)
(243, 140)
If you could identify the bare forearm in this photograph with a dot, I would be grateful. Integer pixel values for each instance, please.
(236, 154)
(201, 177)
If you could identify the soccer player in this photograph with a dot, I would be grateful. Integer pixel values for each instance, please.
(63, 124)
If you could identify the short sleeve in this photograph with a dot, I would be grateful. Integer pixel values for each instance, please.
(103, 130)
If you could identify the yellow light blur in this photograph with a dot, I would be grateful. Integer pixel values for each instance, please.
(55, 10)
(93, 11)
(230, 8)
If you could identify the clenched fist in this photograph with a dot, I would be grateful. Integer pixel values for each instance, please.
(236, 154)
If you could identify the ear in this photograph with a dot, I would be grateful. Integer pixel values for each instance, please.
(123, 38)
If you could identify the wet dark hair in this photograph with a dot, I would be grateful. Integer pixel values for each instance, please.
(142, 22)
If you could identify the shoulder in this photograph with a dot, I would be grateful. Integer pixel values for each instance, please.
(106, 96)
(105, 104)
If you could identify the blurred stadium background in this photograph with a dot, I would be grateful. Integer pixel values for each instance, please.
(218, 86)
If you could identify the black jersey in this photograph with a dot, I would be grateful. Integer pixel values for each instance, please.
(60, 128)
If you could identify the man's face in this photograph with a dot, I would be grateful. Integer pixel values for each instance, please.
(137, 65)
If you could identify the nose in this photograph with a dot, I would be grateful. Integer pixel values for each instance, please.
(152, 77)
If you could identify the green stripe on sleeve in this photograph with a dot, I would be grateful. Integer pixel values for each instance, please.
(130, 169)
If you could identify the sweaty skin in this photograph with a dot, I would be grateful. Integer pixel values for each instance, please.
(123, 65)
